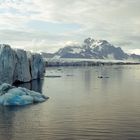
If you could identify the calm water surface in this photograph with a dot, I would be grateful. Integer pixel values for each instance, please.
(81, 106)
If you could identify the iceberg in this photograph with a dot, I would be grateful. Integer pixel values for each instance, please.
(7, 63)
(18, 96)
(22, 69)
(37, 65)
(17, 65)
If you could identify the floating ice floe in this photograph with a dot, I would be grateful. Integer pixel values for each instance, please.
(10, 95)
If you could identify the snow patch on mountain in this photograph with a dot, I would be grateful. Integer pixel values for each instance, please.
(110, 56)
(76, 50)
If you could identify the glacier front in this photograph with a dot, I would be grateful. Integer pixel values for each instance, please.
(17, 65)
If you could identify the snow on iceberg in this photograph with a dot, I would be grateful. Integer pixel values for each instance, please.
(10, 95)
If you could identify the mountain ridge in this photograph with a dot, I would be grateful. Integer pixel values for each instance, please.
(93, 49)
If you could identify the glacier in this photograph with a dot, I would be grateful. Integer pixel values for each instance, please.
(17, 65)
(13, 96)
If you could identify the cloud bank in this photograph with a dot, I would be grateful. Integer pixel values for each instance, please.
(49, 24)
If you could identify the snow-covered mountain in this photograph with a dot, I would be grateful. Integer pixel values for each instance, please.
(134, 57)
(93, 49)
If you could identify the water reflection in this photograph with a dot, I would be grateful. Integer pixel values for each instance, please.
(6, 123)
(35, 85)
(81, 106)
(87, 80)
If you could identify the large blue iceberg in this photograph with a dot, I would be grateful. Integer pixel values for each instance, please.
(10, 95)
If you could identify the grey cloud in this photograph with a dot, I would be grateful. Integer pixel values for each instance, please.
(115, 20)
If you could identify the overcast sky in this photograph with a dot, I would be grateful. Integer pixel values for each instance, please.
(46, 25)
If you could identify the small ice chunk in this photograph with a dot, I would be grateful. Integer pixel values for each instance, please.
(10, 95)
